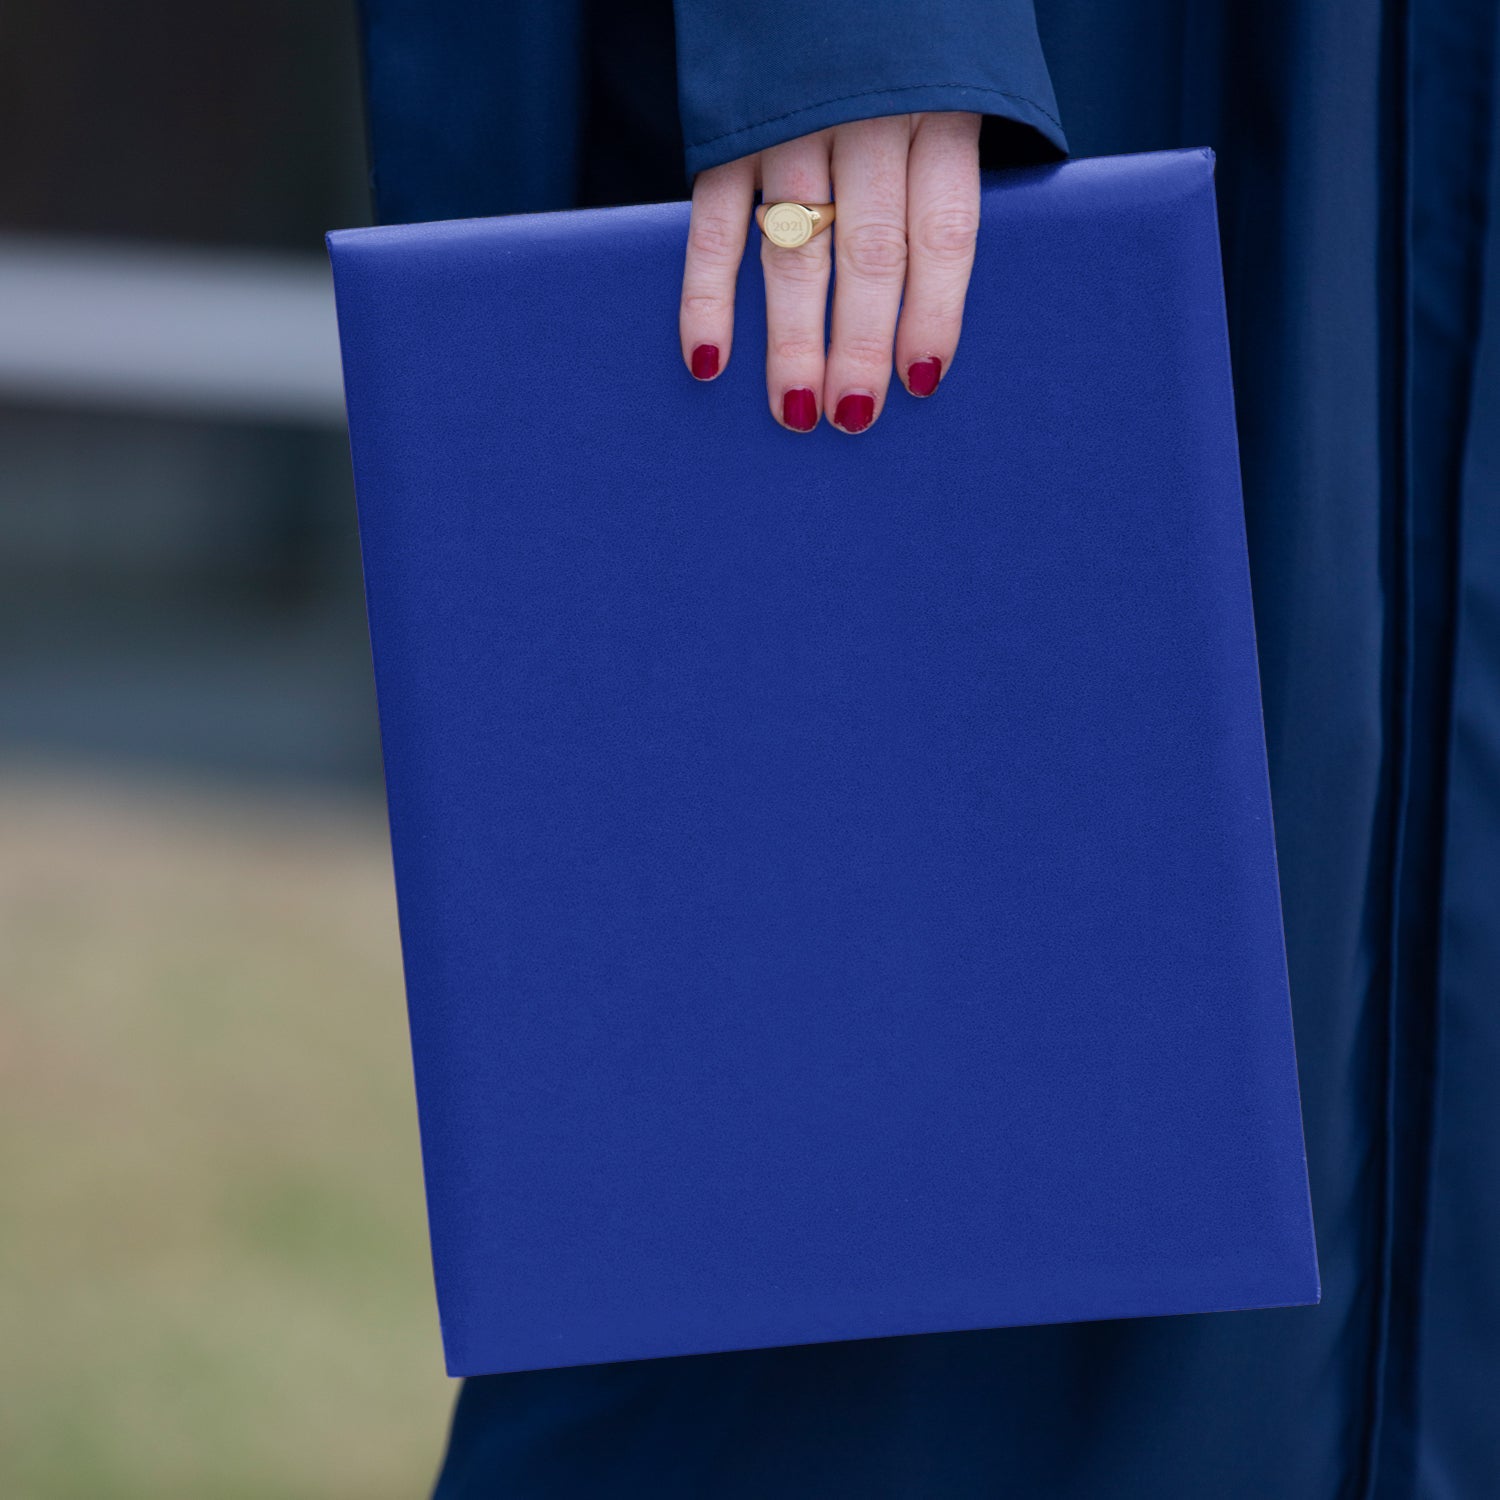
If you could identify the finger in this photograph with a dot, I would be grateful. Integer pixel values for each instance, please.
(796, 285)
(942, 222)
(717, 227)
(869, 177)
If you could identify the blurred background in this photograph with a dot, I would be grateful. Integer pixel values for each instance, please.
(213, 1264)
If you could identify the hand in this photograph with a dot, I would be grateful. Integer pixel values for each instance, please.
(907, 189)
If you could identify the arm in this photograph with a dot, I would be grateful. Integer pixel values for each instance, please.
(878, 106)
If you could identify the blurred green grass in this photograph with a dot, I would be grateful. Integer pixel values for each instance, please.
(214, 1278)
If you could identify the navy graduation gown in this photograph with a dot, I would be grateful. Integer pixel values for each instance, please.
(1359, 176)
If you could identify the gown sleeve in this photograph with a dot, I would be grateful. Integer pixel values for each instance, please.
(754, 73)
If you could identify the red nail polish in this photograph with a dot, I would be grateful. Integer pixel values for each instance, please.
(922, 376)
(854, 412)
(799, 409)
(705, 361)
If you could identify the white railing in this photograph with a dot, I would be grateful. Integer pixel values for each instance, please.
(156, 328)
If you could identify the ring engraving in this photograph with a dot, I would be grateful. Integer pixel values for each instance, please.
(788, 225)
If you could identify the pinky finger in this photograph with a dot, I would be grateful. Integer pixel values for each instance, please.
(942, 197)
(722, 197)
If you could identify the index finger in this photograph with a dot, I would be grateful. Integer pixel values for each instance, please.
(717, 229)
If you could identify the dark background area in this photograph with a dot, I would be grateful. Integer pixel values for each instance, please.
(179, 586)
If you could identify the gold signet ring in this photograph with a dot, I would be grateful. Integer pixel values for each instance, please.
(791, 224)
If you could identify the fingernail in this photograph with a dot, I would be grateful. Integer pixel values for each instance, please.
(799, 409)
(854, 412)
(705, 361)
(922, 376)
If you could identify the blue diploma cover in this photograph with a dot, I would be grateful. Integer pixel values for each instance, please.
(836, 876)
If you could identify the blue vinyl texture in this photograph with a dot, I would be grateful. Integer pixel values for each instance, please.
(836, 877)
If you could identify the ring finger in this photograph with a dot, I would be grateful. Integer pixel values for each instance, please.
(796, 285)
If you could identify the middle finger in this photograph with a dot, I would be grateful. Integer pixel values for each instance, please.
(869, 175)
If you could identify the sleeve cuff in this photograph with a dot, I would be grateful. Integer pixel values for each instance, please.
(909, 98)
(755, 73)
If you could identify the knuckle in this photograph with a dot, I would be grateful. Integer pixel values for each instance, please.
(705, 306)
(937, 309)
(874, 251)
(866, 351)
(805, 266)
(713, 239)
(796, 348)
(948, 232)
